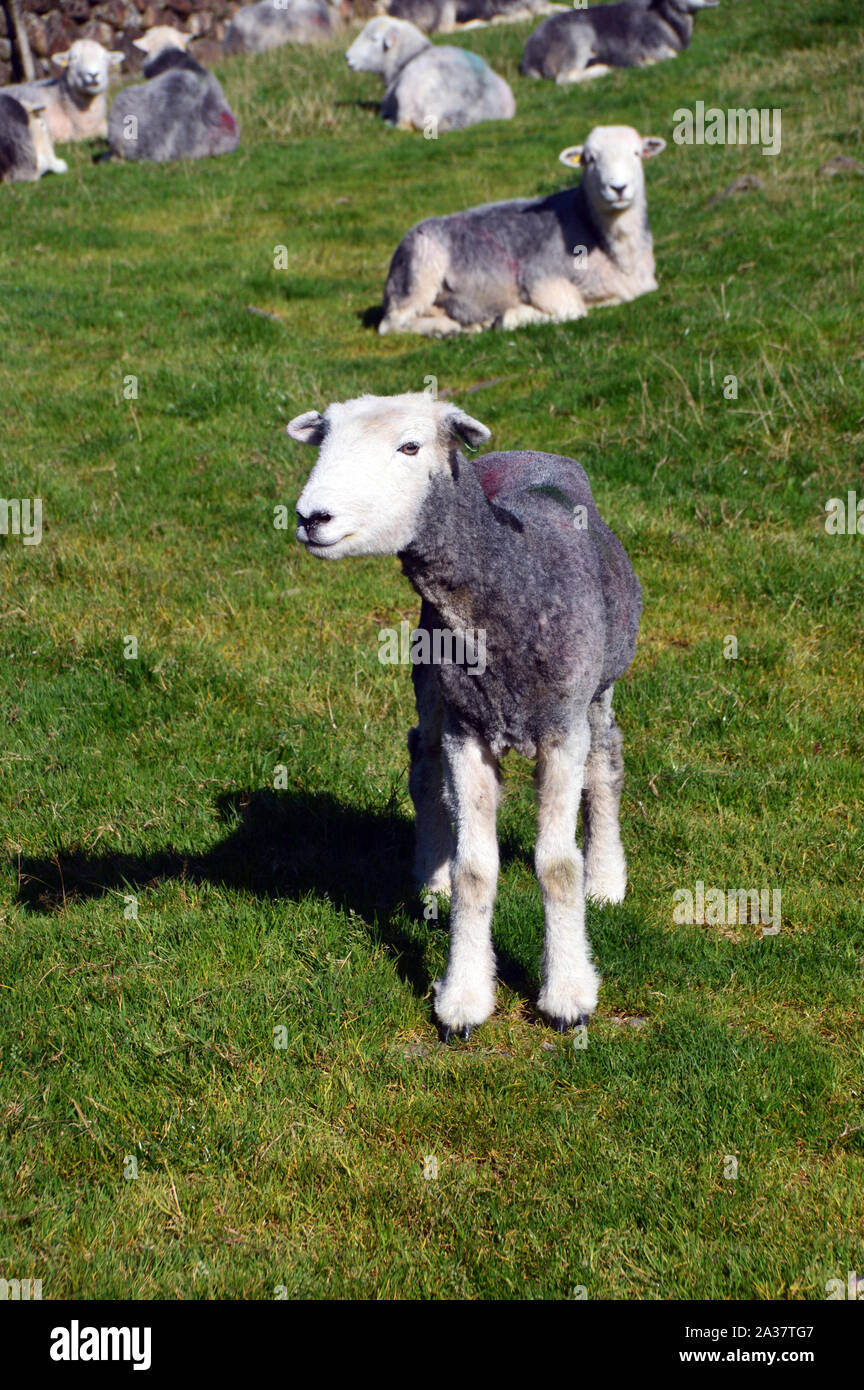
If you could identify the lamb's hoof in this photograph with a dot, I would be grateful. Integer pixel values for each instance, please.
(447, 1034)
(563, 1025)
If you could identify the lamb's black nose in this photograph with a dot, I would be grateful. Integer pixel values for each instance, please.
(311, 522)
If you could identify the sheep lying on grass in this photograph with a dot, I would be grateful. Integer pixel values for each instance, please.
(512, 544)
(587, 43)
(443, 16)
(532, 260)
(180, 112)
(26, 152)
(74, 104)
(256, 28)
(428, 87)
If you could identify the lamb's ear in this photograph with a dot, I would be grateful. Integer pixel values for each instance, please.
(61, 59)
(116, 59)
(142, 44)
(651, 145)
(572, 156)
(471, 432)
(389, 39)
(309, 428)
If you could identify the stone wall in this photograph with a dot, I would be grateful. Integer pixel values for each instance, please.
(53, 24)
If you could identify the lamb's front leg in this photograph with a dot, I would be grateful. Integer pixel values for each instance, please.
(434, 839)
(570, 982)
(466, 994)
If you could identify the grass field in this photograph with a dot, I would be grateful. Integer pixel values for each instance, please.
(295, 1159)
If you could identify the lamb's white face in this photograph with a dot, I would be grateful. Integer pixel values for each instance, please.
(611, 159)
(162, 36)
(377, 456)
(88, 66)
(366, 53)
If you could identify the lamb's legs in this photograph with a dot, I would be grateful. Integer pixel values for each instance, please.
(570, 982)
(434, 837)
(466, 994)
(605, 865)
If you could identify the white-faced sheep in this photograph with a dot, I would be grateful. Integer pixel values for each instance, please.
(272, 23)
(429, 88)
(511, 544)
(180, 112)
(160, 37)
(586, 43)
(26, 152)
(532, 260)
(443, 16)
(75, 106)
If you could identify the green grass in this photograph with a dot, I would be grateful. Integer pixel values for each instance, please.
(302, 1166)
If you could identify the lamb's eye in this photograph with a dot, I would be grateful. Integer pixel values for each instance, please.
(409, 448)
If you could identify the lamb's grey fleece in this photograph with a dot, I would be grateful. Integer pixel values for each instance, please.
(181, 114)
(496, 548)
(622, 35)
(17, 155)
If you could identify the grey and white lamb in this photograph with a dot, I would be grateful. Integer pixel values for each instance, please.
(273, 23)
(588, 42)
(532, 260)
(26, 151)
(429, 87)
(180, 112)
(511, 544)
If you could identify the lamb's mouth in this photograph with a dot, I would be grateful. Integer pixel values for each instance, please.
(327, 545)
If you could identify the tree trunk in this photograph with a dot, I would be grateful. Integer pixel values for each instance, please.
(20, 43)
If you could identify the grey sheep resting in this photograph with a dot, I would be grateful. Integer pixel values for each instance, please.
(512, 545)
(180, 112)
(588, 43)
(429, 87)
(257, 28)
(26, 151)
(532, 260)
(442, 16)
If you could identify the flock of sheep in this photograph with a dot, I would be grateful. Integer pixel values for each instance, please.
(510, 543)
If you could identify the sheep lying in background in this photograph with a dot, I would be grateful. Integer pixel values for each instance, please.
(74, 104)
(180, 112)
(512, 544)
(441, 88)
(26, 152)
(272, 23)
(534, 259)
(443, 16)
(587, 43)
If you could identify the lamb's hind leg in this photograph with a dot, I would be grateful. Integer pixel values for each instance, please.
(570, 982)
(466, 994)
(434, 837)
(605, 865)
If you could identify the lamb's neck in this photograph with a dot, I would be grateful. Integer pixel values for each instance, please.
(401, 60)
(440, 559)
(82, 101)
(626, 237)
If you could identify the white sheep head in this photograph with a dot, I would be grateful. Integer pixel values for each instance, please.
(162, 36)
(377, 456)
(611, 160)
(373, 49)
(88, 66)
